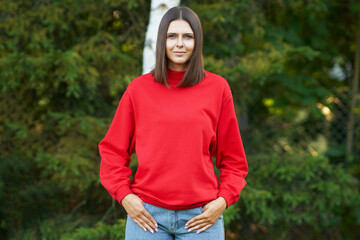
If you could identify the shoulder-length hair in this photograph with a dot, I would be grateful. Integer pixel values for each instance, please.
(195, 66)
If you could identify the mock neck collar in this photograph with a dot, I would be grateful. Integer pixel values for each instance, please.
(175, 77)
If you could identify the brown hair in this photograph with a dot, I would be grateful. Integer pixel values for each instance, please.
(195, 66)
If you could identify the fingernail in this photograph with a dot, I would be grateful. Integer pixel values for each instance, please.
(197, 232)
(156, 225)
(145, 229)
(156, 229)
(152, 231)
(189, 230)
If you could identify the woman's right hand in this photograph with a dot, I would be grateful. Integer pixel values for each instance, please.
(135, 209)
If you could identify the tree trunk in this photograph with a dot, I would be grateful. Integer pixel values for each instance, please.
(157, 11)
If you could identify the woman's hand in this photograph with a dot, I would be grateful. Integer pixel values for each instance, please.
(212, 212)
(135, 209)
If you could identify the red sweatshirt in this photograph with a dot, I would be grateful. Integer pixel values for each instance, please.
(175, 132)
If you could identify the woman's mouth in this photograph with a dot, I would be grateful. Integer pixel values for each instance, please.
(179, 53)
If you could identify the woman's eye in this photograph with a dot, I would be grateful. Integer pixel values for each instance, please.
(189, 36)
(171, 36)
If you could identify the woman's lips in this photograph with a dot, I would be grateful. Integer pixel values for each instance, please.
(179, 53)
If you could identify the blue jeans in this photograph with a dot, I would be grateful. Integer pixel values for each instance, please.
(171, 226)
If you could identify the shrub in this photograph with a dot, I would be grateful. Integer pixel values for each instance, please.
(296, 196)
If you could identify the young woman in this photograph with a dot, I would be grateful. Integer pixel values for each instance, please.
(176, 119)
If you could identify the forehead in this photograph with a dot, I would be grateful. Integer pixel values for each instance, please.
(179, 26)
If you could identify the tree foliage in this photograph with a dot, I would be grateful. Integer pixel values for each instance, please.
(294, 196)
(64, 66)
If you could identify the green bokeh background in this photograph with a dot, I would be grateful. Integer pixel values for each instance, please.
(64, 65)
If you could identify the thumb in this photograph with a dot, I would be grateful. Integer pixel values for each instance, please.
(205, 207)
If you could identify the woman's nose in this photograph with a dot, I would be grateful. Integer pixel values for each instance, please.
(179, 43)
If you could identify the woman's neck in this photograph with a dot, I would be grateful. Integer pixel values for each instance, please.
(177, 67)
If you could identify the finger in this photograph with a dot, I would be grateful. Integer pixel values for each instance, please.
(148, 224)
(196, 222)
(197, 226)
(152, 222)
(204, 228)
(195, 219)
(139, 224)
(144, 225)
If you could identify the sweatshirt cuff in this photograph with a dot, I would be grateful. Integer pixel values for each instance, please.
(122, 192)
(227, 196)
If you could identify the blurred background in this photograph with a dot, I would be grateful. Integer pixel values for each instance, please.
(293, 67)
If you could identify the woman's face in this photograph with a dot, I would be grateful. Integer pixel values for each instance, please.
(180, 44)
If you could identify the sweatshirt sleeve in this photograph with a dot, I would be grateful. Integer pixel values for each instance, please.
(116, 148)
(230, 153)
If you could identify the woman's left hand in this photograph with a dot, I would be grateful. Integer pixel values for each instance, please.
(212, 212)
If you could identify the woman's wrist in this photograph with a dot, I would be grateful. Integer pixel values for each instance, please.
(223, 201)
(126, 197)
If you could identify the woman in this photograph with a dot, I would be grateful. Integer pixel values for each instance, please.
(176, 118)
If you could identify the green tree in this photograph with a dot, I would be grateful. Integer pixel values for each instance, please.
(64, 66)
(277, 56)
